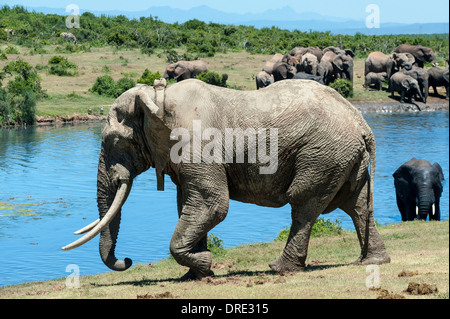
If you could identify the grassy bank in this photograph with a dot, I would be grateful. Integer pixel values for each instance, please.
(69, 95)
(419, 252)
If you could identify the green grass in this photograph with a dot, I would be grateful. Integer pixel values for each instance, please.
(420, 248)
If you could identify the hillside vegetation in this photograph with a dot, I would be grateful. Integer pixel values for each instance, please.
(43, 74)
(35, 30)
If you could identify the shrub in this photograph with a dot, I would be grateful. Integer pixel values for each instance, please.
(104, 85)
(320, 228)
(344, 87)
(215, 245)
(25, 78)
(12, 50)
(213, 78)
(24, 108)
(61, 66)
(17, 109)
(148, 77)
(124, 84)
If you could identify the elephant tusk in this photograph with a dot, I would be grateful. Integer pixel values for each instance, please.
(119, 200)
(87, 228)
(433, 209)
(417, 210)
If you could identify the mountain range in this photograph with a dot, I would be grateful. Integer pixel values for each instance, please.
(283, 18)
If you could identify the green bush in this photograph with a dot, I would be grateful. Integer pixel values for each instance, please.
(17, 109)
(104, 85)
(344, 87)
(25, 78)
(215, 245)
(12, 50)
(61, 66)
(148, 77)
(124, 84)
(320, 228)
(213, 78)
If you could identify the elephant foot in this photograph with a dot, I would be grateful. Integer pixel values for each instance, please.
(199, 263)
(282, 266)
(193, 275)
(373, 259)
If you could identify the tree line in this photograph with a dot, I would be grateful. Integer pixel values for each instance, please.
(35, 30)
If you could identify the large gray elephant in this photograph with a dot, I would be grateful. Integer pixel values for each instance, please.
(438, 77)
(421, 75)
(404, 84)
(418, 189)
(183, 70)
(421, 54)
(320, 153)
(378, 62)
(283, 71)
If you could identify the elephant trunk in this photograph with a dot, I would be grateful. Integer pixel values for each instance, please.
(111, 198)
(425, 205)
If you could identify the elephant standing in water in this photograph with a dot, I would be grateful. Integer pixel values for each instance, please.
(183, 70)
(418, 189)
(320, 153)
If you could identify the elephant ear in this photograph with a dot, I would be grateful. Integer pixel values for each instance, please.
(150, 112)
(337, 62)
(406, 84)
(180, 71)
(403, 173)
(439, 171)
(350, 53)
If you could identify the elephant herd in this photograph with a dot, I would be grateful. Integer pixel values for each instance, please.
(311, 63)
(404, 70)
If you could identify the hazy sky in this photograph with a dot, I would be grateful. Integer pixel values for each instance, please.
(405, 11)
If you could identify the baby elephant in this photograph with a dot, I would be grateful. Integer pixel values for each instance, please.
(418, 189)
(403, 84)
(375, 78)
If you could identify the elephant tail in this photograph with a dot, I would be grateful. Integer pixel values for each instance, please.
(369, 140)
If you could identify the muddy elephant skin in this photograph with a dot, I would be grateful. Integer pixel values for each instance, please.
(324, 149)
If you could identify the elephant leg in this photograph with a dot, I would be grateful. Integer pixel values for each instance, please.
(308, 200)
(402, 97)
(401, 208)
(204, 204)
(373, 250)
(202, 244)
(295, 252)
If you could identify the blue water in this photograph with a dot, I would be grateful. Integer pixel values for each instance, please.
(48, 176)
